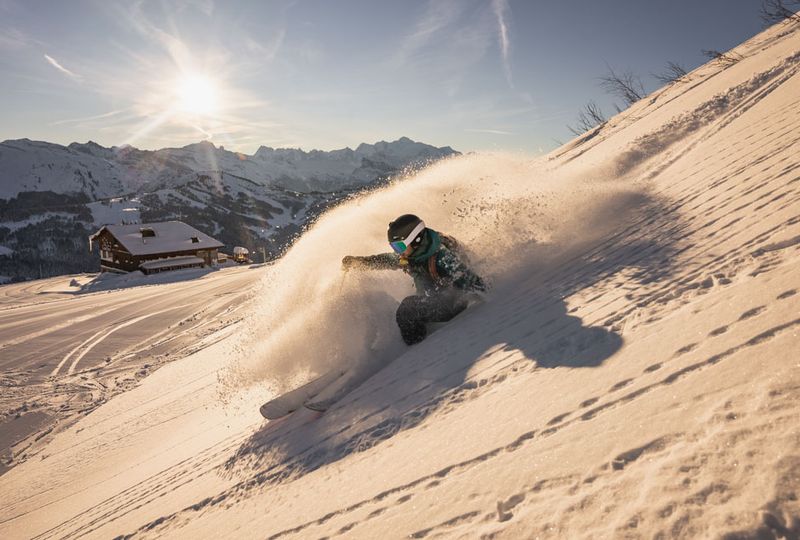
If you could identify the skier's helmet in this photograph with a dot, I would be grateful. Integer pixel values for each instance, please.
(404, 232)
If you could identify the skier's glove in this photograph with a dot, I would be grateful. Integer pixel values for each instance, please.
(350, 262)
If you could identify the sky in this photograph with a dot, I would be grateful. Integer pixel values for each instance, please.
(321, 74)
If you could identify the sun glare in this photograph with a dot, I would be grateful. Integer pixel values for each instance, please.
(196, 95)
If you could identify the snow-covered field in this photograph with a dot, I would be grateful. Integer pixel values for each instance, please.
(69, 344)
(634, 372)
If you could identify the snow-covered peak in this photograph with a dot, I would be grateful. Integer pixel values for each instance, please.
(90, 168)
(93, 149)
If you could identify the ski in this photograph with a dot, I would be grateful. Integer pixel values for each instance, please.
(289, 402)
(349, 381)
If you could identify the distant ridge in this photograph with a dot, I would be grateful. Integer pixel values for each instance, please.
(52, 196)
(99, 172)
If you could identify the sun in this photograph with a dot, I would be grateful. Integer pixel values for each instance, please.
(196, 95)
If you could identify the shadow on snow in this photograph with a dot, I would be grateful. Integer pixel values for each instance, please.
(526, 325)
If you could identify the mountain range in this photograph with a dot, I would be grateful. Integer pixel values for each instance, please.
(52, 196)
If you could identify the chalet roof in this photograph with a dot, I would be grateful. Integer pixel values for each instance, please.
(167, 237)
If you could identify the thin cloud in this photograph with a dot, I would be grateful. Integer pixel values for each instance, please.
(13, 39)
(490, 131)
(447, 42)
(88, 118)
(204, 6)
(266, 51)
(176, 48)
(452, 37)
(438, 16)
(59, 67)
(490, 112)
(501, 8)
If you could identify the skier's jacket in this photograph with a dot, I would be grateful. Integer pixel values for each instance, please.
(438, 265)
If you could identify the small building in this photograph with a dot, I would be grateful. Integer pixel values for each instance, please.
(153, 247)
(241, 255)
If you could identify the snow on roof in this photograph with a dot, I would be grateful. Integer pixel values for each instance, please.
(168, 236)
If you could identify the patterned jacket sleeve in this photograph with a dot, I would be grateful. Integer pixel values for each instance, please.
(382, 261)
(453, 270)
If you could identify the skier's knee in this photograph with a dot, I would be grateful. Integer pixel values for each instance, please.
(410, 304)
(409, 320)
(413, 334)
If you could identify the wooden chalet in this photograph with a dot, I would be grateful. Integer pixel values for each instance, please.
(154, 247)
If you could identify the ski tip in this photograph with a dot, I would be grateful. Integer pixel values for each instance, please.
(316, 407)
(269, 414)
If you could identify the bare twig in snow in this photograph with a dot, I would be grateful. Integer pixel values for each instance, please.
(589, 117)
(674, 72)
(726, 59)
(624, 85)
(773, 11)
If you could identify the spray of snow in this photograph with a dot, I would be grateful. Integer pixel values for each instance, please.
(510, 212)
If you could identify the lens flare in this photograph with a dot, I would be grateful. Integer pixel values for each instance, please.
(197, 95)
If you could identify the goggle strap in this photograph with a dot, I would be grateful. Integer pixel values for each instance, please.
(416, 232)
(401, 245)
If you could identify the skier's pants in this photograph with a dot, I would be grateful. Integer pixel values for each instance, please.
(415, 311)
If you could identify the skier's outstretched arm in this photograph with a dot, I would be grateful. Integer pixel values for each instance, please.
(383, 261)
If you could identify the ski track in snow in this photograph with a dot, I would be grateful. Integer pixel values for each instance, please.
(96, 338)
(720, 221)
(118, 327)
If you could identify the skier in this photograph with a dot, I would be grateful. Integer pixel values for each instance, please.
(440, 270)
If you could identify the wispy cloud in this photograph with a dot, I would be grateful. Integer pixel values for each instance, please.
(447, 42)
(501, 9)
(13, 39)
(266, 51)
(204, 6)
(59, 67)
(490, 131)
(490, 110)
(452, 37)
(153, 32)
(437, 17)
(86, 119)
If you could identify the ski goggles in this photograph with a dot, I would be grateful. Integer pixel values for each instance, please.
(399, 246)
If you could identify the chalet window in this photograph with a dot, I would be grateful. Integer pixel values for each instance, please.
(195, 240)
(148, 233)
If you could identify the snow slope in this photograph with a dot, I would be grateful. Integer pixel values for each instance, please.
(70, 344)
(634, 372)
